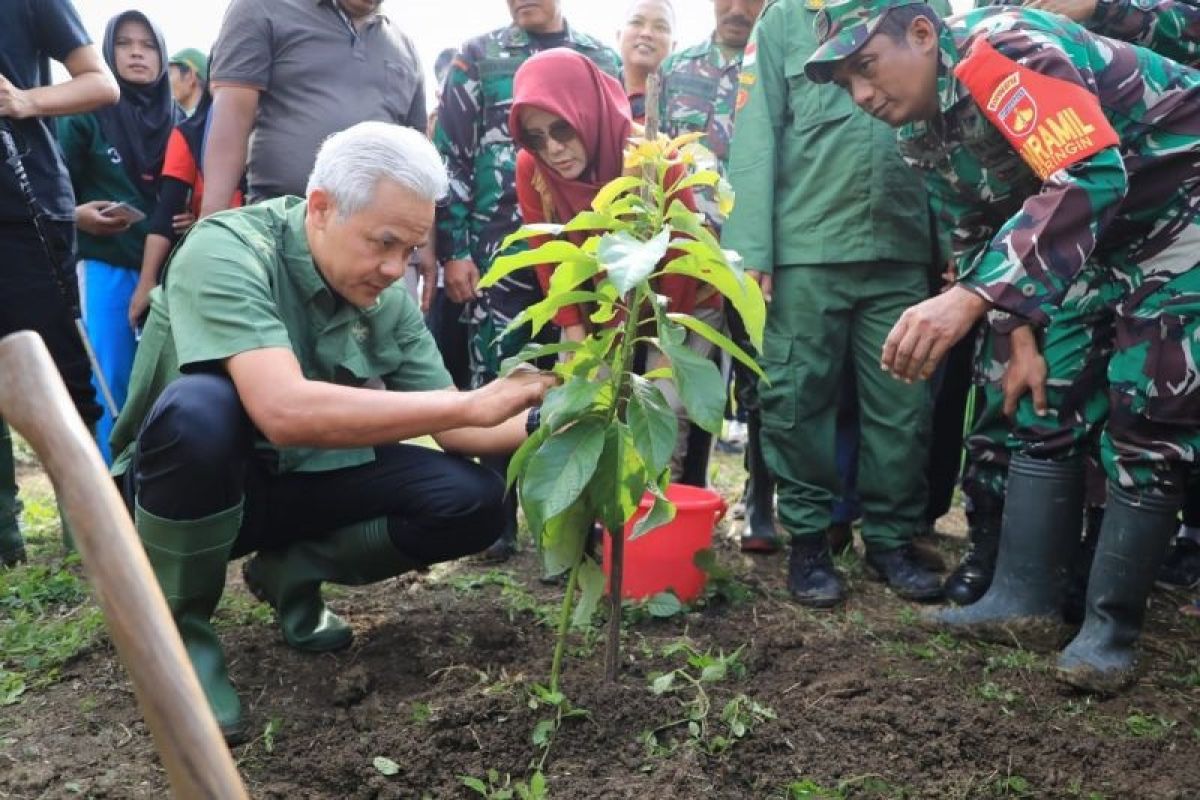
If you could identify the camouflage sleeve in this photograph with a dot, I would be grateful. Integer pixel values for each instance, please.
(456, 136)
(1168, 27)
(762, 108)
(1032, 261)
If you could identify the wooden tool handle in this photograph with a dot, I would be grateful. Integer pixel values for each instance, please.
(35, 402)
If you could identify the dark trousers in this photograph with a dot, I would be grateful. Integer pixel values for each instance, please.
(444, 321)
(32, 300)
(196, 456)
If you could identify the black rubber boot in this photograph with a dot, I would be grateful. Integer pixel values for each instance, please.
(12, 544)
(973, 575)
(1039, 541)
(812, 578)
(290, 580)
(758, 531)
(1076, 600)
(1133, 539)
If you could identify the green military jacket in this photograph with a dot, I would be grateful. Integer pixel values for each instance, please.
(245, 280)
(816, 180)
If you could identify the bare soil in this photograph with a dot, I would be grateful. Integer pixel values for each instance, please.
(866, 703)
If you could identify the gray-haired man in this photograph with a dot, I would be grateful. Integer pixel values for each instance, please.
(278, 368)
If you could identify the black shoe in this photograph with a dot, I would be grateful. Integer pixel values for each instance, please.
(502, 549)
(1181, 568)
(904, 573)
(973, 575)
(812, 578)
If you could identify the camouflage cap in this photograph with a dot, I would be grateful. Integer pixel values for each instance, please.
(842, 28)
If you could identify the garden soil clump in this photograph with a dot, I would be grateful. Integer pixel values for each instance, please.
(858, 702)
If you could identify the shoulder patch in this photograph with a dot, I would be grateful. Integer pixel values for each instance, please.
(1050, 122)
(750, 54)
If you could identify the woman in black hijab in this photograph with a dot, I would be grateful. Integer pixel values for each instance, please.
(115, 157)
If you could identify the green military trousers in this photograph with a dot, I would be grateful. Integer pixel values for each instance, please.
(818, 316)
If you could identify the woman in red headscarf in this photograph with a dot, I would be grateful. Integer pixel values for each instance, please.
(572, 123)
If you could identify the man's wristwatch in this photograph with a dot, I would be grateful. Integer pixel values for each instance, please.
(533, 420)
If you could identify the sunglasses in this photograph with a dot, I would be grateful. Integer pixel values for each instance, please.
(560, 131)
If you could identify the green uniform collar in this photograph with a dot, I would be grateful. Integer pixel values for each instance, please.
(709, 49)
(515, 38)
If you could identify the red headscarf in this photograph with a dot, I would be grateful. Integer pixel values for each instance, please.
(568, 85)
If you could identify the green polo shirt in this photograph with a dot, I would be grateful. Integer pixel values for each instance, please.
(816, 180)
(245, 280)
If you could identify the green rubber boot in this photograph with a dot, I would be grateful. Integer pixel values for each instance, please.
(290, 580)
(1133, 540)
(12, 545)
(189, 559)
(1039, 541)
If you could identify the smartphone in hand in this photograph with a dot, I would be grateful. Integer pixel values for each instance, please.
(123, 211)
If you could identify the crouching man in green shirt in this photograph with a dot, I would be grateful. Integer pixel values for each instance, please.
(279, 368)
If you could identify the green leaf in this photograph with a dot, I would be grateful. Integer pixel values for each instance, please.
(571, 273)
(689, 222)
(566, 402)
(560, 469)
(537, 786)
(386, 766)
(715, 671)
(532, 352)
(719, 339)
(542, 732)
(653, 424)
(705, 177)
(538, 314)
(741, 292)
(698, 380)
(516, 464)
(628, 260)
(551, 252)
(706, 561)
(594, 221)
(591, 589)
(563, 538)
(663, 683)
(664, 604)
(614, 189)
(530, 231)
(474, 784)
(661, 513)
(620, 479)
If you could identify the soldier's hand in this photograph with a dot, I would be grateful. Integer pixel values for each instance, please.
(505, 397)
(1026, 372)
(927, 330)
(14, 102)
(764, 281)
(461, 277)
(1077, 10)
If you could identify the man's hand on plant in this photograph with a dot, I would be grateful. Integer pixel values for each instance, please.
(461, 277)
(506, 397)
(927, 330)
(1077, 10)
(764, 281)
(1026, 372)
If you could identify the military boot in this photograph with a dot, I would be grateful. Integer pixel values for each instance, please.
(1038, 543)
(813, 580)
(1075, 603)
(12, 545)
(758, 531)
(189, 559)
(1133, 539)
(290, 580)
(973, 575)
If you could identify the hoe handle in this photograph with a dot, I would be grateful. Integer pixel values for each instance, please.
(34, 400)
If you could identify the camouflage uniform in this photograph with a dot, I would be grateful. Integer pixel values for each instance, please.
(1171, 29)
(473, 137)
(699, 95)
(1109, 172)
(1168, 27)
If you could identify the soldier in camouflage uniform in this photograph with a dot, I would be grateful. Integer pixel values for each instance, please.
(1105, 138)
(700, 87)
(473, 137)
(1171, 29)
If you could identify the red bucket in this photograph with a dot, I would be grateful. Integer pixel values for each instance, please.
(662, 559)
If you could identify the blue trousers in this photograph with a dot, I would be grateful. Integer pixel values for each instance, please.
(107, 290)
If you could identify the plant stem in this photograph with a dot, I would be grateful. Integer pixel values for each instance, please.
(564, 623)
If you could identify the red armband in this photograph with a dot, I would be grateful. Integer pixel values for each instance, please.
(1052, 123)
